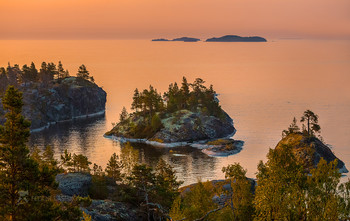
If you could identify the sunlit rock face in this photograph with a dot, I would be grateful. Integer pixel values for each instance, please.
(309, 151)
(61, 101)
(183, 126)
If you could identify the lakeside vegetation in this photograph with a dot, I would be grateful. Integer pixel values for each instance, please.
(286, 189)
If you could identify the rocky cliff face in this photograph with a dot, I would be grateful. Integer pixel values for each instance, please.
(61, 101)
(309, 151)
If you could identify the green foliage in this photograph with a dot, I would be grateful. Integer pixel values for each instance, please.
(84, 73)
(241, 196)
(195, 204)
(156, 123)
(123, 115)
(167, 184)
(129, 158)
(114, 167)
(75, 163)
(98, 188)
(281, 187)
(322, 197)
(293, 128)
(26, 182)
(344, 201)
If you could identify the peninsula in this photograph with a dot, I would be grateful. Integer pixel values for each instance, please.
(189, 114)
(51, 95)
(236, 38)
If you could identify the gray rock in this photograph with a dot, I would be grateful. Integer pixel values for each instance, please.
(105, 210)
(74, 183)
(195, 126)
(61, 101)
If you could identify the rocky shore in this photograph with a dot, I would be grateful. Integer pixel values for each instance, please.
(186, 128)
(66, 100)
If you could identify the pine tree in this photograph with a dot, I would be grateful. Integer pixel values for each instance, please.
(311, 120)
(293, 128)
(14, 155)
(60, 71)
(114, 167)
(136, 100)
(83, 73)
(25, 183)
(123, 115)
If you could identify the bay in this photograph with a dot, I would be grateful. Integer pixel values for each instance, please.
(262, 86)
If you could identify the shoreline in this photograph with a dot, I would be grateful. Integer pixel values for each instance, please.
(200, 144)
(61, 121)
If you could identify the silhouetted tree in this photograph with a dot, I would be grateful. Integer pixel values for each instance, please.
(311, 120)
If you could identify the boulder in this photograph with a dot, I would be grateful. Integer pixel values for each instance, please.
(74, 183)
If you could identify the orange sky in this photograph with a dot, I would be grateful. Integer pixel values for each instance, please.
(90, 19)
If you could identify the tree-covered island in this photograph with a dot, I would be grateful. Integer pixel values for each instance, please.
(51, 95)
(183, 115)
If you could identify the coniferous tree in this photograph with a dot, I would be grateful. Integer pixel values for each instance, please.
(293, 128)
(84, 73)
(311, 120)
(26, 183)
(114, 168)
(60, 71)
(123, 115)
(3, 80)
(14, 156)
(136, 100)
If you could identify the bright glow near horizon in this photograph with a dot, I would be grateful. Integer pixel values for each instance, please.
(96, 19)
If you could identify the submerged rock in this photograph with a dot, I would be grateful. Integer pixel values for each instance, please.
(310, 150)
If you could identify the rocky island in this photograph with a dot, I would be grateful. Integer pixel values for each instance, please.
(178, 118)
(236, 38)
(310, 150)
(51, 95)
(184, 39)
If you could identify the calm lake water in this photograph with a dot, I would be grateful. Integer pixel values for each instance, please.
(262, 86)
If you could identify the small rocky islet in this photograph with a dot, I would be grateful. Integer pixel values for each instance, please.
(189, 115)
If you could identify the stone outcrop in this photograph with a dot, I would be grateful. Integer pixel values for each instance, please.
(187, 126)
(184, 126)
(71, 184)
(309, 150)
(61, 101)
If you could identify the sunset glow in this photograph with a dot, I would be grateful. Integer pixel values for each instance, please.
(105, 19)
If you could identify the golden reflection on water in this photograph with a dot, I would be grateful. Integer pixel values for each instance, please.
(262, 86)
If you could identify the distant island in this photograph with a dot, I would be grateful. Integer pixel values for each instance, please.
(236, 38)
(51, 95)
(184, 39)
(189, 114)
